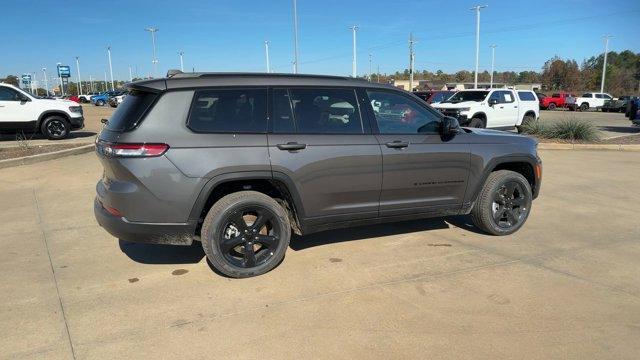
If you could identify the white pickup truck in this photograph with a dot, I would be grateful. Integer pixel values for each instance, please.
(591, 100)
(502, 109)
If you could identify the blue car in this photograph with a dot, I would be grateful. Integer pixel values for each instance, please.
(103, 98)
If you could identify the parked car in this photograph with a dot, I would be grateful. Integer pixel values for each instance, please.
(434, 96)
(587, 101)
(21, 111)
(557, 100)
(496, 108)
(619, 105)
(116, 100)
(86, 98)
(74, 98)
(103, 98)
(193, 156)
(633, 110)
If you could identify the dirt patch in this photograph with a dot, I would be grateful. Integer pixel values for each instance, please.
(623, 140)
(22, 151)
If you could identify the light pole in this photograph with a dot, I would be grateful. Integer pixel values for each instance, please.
(91, 83)
(130, 75)
(79, 79)
(46, 82)
(266, 54)
(493, 59)
(604, 65)
(105, 80)
(412, 58)
(354, 28)
(181, 53)
(110, 68)
(295, 37)
(477, 10)
(153, 31)
(370, 74)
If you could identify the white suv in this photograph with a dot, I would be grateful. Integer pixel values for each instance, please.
(502, 109)
(21, 111)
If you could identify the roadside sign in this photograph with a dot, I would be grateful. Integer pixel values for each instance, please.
(26, 79)
(64, 71)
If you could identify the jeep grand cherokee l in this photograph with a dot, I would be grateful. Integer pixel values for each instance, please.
(240, 161)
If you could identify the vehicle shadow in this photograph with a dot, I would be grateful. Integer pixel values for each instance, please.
(620, 129)
(364, 232)
(38, 136)
(162, 254)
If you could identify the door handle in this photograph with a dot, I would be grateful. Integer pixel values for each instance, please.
(501, 107)
(515, 107)
(397, 144)
(291, 146)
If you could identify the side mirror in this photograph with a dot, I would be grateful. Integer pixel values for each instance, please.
(493, 102)
(450, 126)
(104, 121)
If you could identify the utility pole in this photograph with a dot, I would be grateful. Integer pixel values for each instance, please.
(60, 79)
(181, 61)
(354, 28)
(105, 80)
(110, 67)
(493, 59)
(91, 83)
(79, 79)
(153, 31)
(370, 73)
(266, 54)
(604, 65)
(412, 57)
(477, 10)
(378, 74)
(130, 74)
(46, 82)
(295, 37)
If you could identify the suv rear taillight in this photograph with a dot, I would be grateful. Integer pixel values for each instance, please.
(130, 150)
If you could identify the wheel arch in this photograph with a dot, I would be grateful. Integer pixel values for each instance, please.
(275, 185)
(522, 164)
(49, 113)
(480, 115)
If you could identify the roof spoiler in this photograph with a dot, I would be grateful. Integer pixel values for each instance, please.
(172, 72)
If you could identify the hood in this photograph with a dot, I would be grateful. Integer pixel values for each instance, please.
(498, 136)
(456, 105)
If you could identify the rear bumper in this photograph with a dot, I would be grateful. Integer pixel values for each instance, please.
(148, 233)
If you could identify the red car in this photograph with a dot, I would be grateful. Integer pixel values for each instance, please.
(434, 96)
(554, 101)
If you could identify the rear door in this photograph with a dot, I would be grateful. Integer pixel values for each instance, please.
(14, 113)
(422, 171)
(321, 145)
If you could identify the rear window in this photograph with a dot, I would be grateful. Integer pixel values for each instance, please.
(130, 112)
(229, 111)
(526, 96)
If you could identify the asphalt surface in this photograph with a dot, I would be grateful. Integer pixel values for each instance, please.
(565, 286)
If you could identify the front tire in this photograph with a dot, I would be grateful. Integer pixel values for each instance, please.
(100, 103)
(584, 107)
(246, 234)
(551, 106)
(503, 204)
(55, 128)
(477, 123)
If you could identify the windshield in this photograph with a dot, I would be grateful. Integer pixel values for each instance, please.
(461, 96)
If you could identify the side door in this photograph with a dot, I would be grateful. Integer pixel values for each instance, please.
(320, 144)
(15, 114)
(422, 171)
(505, 110)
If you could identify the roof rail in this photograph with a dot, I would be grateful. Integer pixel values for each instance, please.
(172, 72)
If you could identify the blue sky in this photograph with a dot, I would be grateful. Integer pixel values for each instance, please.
(229, 35)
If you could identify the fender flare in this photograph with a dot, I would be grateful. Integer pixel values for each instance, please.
(212, 183)
(48, 113)
(493, 163)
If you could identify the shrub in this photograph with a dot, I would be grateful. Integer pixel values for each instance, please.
(535, 128)
(572, 130)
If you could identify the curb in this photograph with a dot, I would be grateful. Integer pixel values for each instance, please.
(46, 156)
(614, 147)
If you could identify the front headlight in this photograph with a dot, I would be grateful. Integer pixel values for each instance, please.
(75, 109)
(464, 109)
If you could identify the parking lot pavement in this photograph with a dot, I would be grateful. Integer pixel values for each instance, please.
(565, 286)
(92, 126)
(610, 124)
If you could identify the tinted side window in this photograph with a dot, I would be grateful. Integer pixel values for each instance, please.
(398, 114)
(587, 95)
(128, 114)
(7, 94)
(320, 111)
(229, 111)
(526, 96)
(282, 113)
(599, 96)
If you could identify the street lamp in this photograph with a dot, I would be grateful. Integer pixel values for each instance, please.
(110, 68)
(354, 28)
(46, 82)
(60, 79)
(79, 79)
(604, 65)
(153, 31)
(493, 59)
(477, 10)
(181, 53)
(295, 37)
(266, 53)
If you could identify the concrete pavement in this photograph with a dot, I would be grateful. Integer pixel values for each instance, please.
(565, 286)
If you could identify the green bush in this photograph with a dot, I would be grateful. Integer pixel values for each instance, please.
(535, 128)
(572, 130)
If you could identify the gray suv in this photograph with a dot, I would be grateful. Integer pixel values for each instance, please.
(240, 161)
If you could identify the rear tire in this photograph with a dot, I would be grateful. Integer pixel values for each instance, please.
(238, 249)
(55, 128)
(527, 119)
(584, 107)
(551, 106)
(504, 203)
(100, 103)
(477, 123)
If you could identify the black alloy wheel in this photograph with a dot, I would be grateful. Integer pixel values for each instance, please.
(249, 236)
(509, 206)
(55, 128)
